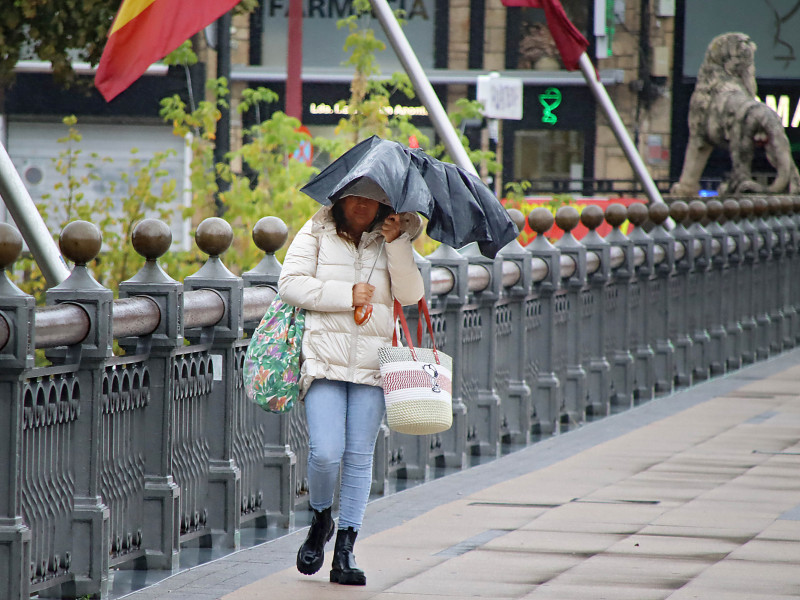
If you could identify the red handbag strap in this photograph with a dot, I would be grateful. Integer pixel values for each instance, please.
(422, 309)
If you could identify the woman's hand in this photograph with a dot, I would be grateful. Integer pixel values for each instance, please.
(391, 227)
(362, 293)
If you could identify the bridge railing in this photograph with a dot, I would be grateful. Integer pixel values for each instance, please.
(111, 462)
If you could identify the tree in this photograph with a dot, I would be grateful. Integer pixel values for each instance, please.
(58, 31)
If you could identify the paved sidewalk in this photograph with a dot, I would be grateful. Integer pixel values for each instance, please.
(691, 496)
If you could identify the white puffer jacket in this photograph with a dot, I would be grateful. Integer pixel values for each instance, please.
(318, 274)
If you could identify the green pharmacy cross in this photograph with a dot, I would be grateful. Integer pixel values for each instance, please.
(550, 101)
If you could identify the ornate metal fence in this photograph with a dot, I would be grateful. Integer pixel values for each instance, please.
(119, 461)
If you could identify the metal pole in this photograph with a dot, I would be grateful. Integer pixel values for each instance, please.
(30, 223)
(421, 84)
(600, 93)
(294, 61)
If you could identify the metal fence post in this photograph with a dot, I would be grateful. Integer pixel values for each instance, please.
(411, 456)
(568, 322)
(642, 329)
(151, 239)
(80, 242)
(623, 300)
(792, 240)
(747, 299)
(509, 376)
(480, 357)
(448, 316)
(718, 302)
(214, 236)
(732, 288)
(764, 278)
(273, 484)
(16, 355)
(779, 258)
(662, 310)
(594, 325)
(700, 289)
(540, 327)
(679, 296)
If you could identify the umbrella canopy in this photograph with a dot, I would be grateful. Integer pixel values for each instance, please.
(459, 207)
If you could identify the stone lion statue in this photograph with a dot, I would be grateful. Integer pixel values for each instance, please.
(723, 112)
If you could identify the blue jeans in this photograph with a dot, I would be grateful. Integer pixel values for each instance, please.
(343, 423)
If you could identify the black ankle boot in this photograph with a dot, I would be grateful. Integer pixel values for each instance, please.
(312, 553)
(345, 570)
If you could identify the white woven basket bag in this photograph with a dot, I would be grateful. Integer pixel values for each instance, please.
(417, 382)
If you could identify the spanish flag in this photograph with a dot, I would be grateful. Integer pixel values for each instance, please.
(569, 41)
(145, 31)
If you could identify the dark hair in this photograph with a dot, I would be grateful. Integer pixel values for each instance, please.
(337, 211)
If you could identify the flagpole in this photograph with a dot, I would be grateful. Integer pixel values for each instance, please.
(430, 100)
(30, 223)
(601, 95)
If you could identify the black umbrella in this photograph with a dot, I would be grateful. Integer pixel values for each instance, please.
(459, 207)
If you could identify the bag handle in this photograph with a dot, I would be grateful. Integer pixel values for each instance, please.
(422, 309)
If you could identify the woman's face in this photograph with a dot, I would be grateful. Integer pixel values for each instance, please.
(359, 212)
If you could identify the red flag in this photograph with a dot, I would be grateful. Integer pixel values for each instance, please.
(570, 42)
(145, 31)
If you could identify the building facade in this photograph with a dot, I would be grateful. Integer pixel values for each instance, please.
(646, 52)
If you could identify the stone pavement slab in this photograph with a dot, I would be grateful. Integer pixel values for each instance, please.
(693, 495)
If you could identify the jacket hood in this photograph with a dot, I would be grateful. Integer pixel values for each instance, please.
(410, 223)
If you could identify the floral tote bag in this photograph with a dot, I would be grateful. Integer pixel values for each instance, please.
(272, 361)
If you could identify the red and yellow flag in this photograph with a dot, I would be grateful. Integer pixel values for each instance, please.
(145, 31)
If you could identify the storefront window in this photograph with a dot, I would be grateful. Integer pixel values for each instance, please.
(530, 45)
(548, 155)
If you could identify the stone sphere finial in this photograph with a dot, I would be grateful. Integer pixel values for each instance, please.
(697, 211)
(637, 214)
(540, 220)
(567, 218)
(151, 238)
(616, 214)
(659, 212)
(774, 204)
(214, 236)
(270, 234)
(731, 209)
(679, 211)
(796, 203)
(518, 218)
(714, 209)
(760, 206)
(10, 245)
(592, 216)
(746, 208)
(80, 242)
(787, 205)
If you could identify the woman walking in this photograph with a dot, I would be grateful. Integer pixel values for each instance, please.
(350, 257)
